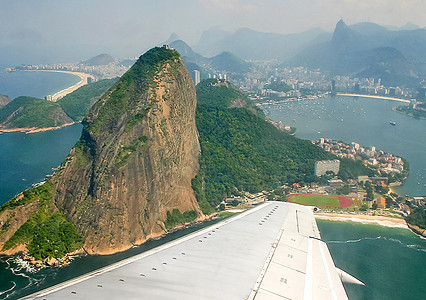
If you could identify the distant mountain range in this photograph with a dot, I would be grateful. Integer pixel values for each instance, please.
(366, 49)
(369, 50)
(254, 45)
(224, 62)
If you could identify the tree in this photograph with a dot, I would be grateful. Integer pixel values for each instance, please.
(374, 206)
(235, 202)
(389, 202)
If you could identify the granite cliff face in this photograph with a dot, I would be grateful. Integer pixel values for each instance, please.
(4, 100)
(136, 157)
(129, 176)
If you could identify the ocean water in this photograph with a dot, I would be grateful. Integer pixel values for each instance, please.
(365, 121)
(35, 84)
(390, 261)
(26, 159)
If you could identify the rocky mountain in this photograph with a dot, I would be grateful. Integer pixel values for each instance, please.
(367, 48)
(254, 45)
(99, 60)
(229, 62)
(136, 157)
(130, 173)
(224, 62)
(186, 52)
(4, 100)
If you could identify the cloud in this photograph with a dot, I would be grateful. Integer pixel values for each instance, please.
(233, 5)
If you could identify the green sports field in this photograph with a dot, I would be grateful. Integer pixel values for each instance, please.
(315, 200)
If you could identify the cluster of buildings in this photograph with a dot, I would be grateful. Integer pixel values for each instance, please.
(310, 82)
(108, 71)
(385, 163)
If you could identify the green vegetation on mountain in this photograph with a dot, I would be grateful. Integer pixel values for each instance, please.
(46, 233)
(416, 113)
(108, 113)
(42, 193)
(77, 104)
(25, 112)
(28, 112)
(278, 87)
(175, 217)
(351, 169)
(417, 217)
(241, 151)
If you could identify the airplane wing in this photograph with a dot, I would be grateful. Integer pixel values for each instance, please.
(273, 251)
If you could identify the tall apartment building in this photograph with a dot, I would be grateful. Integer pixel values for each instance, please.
(324, 166)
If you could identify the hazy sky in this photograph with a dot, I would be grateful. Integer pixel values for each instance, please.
(127, 27)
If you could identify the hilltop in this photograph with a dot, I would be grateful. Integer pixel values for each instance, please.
(99, 60)
(28, 112)
(33, 114)
(127, 179)
(369, 50)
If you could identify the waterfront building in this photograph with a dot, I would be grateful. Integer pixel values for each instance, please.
(324, 166)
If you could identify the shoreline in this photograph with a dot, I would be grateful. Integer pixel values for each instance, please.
(365, 219)
(374, 97)
(34, 129)
(62, 93)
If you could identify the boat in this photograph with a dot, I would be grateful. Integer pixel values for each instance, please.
(392, 123)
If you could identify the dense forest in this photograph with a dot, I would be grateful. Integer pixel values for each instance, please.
(417, 217)
(242, 151)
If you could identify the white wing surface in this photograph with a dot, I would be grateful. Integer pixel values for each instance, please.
(273, 251)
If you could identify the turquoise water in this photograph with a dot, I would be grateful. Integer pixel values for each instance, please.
(26, 159)
(35, 84)
(365, 121)
(390, 261)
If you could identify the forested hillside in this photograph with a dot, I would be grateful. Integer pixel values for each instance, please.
(242, 151)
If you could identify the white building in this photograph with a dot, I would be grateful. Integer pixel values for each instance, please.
(324, 166)
(197, 77)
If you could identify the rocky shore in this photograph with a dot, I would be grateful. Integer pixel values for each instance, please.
(50, 261)
(417, 230)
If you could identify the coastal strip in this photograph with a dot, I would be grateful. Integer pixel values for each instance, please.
(375, 97)
(34, 129)
(365, 219)
(62, 93)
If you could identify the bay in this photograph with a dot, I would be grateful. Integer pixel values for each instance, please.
(36, 84)
(26, 159)
(365, 121)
